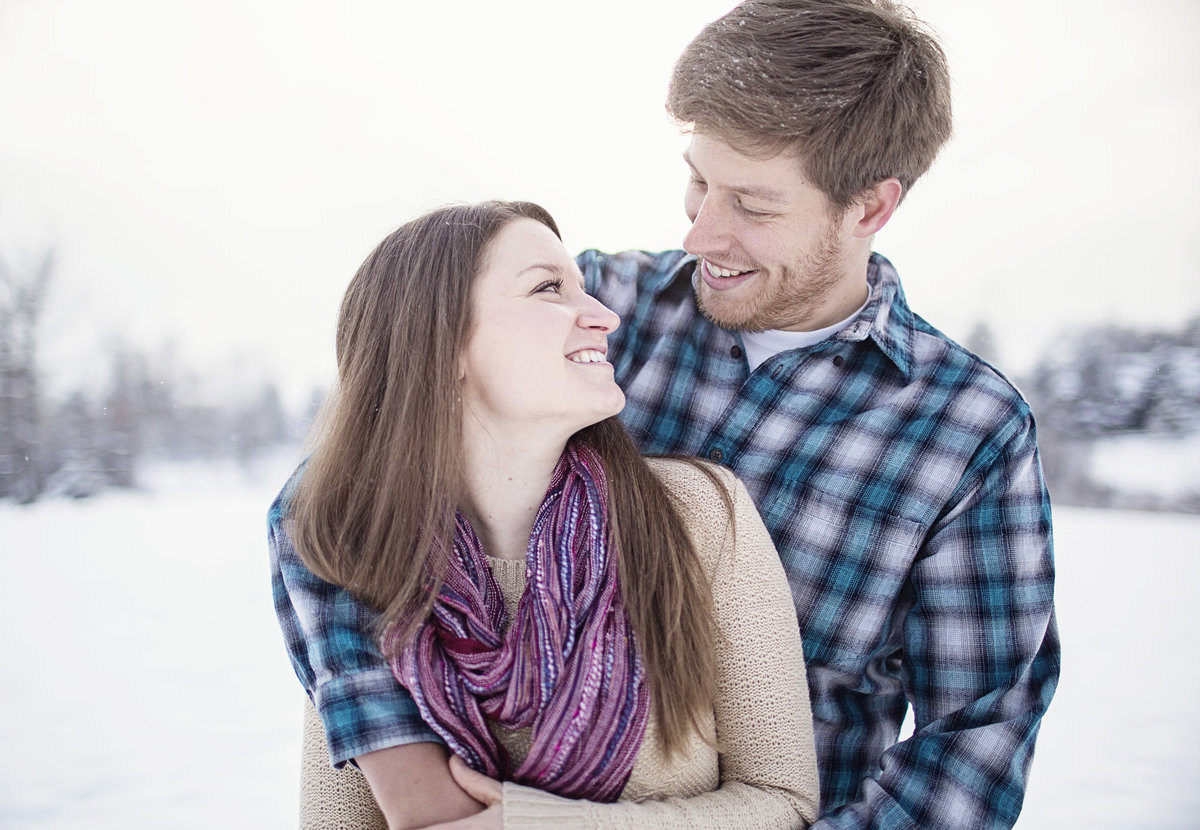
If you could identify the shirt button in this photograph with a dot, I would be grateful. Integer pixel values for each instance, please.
(838, 360)
(716, 455)
(736, 351)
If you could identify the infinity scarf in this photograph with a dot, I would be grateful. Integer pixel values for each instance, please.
(567, 666)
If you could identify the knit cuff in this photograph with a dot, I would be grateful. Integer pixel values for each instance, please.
(526, 807)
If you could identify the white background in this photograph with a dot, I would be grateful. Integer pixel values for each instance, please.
(212, 174)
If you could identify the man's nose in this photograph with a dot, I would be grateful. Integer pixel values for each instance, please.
(707, 233)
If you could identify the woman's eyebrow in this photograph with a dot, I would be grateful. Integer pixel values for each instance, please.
(547, 266)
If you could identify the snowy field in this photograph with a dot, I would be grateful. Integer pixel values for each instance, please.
(1160, 465)
(145, 684)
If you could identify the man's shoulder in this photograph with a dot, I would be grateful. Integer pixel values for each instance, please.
(281, 506)
(645, 269)
(967, 385)
(926, 355)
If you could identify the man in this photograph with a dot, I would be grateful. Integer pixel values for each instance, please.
(898, 473)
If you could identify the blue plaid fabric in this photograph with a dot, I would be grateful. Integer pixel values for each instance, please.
(900, 479)
(328, 638)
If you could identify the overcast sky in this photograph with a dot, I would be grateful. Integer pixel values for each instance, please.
(212, 174)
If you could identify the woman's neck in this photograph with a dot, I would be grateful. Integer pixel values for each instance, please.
(506, 482)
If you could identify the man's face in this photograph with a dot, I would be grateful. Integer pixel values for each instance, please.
(774, 251)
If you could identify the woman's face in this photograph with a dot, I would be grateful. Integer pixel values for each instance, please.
(535, 358)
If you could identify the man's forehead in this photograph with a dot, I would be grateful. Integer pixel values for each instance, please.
(751, 175)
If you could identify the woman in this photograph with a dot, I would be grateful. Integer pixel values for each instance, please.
(570, 619)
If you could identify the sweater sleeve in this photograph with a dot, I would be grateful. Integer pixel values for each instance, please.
(764, 725)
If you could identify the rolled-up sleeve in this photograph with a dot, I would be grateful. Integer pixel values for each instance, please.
(330, 641)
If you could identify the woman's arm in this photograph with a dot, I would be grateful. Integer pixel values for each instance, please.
(764, 724)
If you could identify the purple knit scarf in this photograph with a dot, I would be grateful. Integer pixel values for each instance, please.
(567, 667)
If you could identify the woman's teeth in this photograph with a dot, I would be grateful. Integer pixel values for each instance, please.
(587, 356)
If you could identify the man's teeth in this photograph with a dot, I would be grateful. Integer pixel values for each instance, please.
(588, 356)
(722, 272)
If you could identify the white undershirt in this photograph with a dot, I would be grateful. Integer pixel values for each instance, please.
(761, 345)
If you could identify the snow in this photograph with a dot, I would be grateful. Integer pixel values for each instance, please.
(1117, 748)
(1166, 465)
(147, 684)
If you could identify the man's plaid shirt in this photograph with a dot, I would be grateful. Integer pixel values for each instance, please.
(899, 477)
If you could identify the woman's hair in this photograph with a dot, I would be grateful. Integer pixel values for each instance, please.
(374, 509)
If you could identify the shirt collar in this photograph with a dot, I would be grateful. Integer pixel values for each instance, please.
(886, 318)
(682, 271)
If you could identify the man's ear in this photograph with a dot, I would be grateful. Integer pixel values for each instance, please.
(877, 206)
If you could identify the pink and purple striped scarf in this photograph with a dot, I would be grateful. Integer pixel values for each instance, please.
(567, 667)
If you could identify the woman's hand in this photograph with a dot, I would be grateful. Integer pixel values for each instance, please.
(487, 791)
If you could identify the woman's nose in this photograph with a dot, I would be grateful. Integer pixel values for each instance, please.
(596, 315)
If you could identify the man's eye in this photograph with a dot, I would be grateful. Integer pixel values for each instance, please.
(695, 182)
(757, 214)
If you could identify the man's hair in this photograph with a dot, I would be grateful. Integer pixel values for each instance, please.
(856, 89)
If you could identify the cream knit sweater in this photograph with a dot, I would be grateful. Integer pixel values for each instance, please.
(765, 775)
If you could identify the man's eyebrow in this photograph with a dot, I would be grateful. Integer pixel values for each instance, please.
(768, 194)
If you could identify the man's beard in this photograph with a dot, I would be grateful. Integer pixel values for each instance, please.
(802, 285)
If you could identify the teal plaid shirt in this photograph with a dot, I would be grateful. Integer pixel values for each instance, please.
(899, 477)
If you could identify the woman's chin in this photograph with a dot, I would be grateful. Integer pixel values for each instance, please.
(613, 406)
(602, 415)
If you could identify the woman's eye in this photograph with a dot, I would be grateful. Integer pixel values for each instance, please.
(553, 286)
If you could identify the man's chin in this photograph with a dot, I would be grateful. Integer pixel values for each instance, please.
(725, 312)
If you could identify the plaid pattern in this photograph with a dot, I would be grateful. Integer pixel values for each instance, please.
(327, 634)
(899, 477)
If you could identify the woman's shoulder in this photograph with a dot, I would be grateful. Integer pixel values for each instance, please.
(692, 479)
(706, 495)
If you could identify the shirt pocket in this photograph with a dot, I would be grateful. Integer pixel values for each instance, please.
(847, 565)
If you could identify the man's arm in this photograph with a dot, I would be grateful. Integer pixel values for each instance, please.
(981, 653)
(367, 715)
(413, 787)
